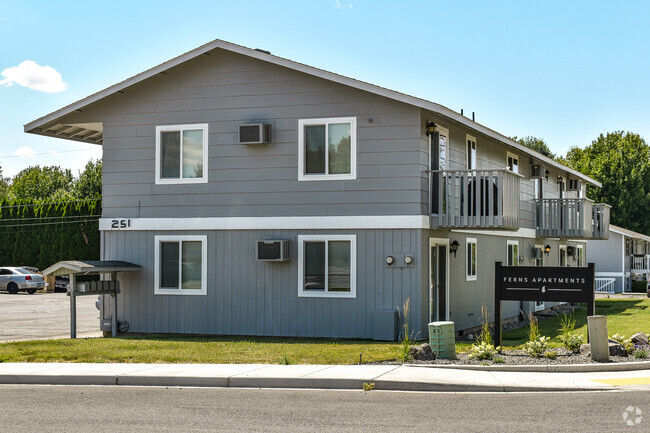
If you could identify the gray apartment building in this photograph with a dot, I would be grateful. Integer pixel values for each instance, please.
(262, 196)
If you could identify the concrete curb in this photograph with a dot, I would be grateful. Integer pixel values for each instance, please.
(563, 368)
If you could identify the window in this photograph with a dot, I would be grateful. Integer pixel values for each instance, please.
(580, 255)
(513, 253)
(327, 266)
(181, 154)
(512, 162)
(563, 256)
(539, 252)
(470, 274)
(471, 153)
(327, 149)
(181, 265)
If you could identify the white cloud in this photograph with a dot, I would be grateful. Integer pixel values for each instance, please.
(340, 6)
(25, 151)
(34, 76)
(54, 153)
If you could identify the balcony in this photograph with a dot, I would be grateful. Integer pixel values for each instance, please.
(474, 199)
(576, 218)
(640, 264)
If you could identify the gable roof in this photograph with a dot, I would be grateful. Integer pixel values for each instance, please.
(628, 233)
(51, 124)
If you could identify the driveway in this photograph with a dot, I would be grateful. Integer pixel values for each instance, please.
(45, 315)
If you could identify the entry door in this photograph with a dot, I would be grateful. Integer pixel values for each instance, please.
(438, 161)
(438, 292)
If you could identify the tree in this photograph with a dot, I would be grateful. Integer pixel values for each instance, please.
(621, 162)
(89, 184)
(4, 185)
(39, 184)
(537, 144)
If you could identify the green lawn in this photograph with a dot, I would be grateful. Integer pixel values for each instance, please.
(624, 317)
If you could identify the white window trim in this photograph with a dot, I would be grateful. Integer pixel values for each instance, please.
(514, 156)
(566, 256)
(469, 277)
(166, 181)
(580, 257)
(515, 258)
(541, 247)
(443, 131)
(353, 148)
(204, 265)
(301, 266)
(468, 153)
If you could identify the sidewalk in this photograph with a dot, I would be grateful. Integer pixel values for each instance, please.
(384, 377)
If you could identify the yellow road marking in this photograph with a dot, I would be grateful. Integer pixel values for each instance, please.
(626, 381)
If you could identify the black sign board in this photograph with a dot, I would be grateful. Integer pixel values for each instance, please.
(549, 284)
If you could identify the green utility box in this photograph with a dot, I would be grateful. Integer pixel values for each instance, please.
(442, 339)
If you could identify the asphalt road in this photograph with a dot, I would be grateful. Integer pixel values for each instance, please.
(149, 409)
(45, 315)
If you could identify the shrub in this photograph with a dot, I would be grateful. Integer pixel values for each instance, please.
(484, 349)
(407, 338)
(551, 354)
(498, 360)
(536, 344)
(571, 340)
(641, 354)
(627, 343)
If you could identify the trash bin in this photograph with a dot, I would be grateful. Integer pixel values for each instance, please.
(442, 339)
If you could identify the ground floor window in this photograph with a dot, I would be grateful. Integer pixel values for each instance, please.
(539, 261)
(513, 253)
(580, 255)
(327, 266)
(470, 270)
(180, 265)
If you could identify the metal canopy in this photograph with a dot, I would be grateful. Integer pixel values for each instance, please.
(88, 267)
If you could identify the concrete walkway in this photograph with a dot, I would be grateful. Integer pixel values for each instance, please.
(384, 377)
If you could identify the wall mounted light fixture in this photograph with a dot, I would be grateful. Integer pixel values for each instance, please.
(454, 247)
(431, 128)
(547, 249)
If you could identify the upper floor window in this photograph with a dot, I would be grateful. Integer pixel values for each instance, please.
(327, 149)
(471, 153)
(181, 153)
(512, 162)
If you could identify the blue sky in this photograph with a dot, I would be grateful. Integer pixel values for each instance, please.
(564, 71)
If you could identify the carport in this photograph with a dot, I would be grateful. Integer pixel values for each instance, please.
(107, 286)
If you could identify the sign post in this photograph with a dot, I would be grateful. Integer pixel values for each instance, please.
(548, 284)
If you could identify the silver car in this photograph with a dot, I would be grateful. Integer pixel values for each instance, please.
(16, 280)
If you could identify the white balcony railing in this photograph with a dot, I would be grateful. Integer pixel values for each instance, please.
(605, 285)
(572, 218)
(474, 199)
(641, 264)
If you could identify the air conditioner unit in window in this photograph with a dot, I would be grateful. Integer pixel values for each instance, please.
(574, 185)
(538, 171)
(273, 250)
(255, 133)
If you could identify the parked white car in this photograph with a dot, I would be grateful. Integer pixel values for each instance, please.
(16, 280)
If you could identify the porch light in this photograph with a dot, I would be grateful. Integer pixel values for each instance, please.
(454, 247)
(431, 127)
(547, 249)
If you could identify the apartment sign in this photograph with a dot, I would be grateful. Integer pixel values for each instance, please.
(544, 284)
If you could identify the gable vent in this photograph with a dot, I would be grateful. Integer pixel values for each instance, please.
(255, 133)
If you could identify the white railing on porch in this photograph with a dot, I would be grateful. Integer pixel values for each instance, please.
(572, 218)
(641, 265)
(474, 198)
(605, 285)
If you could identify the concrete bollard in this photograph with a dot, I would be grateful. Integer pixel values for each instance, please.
(598, 339)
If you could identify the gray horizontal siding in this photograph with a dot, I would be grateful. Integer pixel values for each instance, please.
(246, 297)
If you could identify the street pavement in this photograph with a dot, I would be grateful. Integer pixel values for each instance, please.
(45, 315)
(158, 409)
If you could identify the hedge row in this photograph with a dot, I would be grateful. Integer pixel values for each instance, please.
(33, 234)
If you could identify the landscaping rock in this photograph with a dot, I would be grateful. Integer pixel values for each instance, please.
(639, 338)
(585, 349)
(422, 353)
(616, 349)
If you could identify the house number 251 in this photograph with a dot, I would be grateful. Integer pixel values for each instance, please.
(121, 223)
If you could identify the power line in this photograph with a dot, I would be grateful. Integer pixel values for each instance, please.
(52, 153)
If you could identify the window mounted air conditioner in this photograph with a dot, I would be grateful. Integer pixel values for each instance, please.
(255, 133)
(273, 251)
(538, 171)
